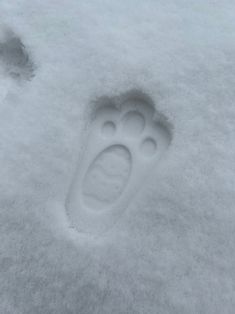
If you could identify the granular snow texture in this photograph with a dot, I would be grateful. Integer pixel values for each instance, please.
(172, 251)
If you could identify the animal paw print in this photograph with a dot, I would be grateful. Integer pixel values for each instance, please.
(15, 62)
(123, 145)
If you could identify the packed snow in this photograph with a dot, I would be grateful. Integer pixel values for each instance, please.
(170, 248)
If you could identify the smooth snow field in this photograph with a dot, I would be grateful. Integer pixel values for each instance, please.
(117, 157)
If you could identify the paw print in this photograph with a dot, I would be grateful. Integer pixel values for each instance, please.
(123, 145)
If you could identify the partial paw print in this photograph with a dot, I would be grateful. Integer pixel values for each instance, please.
(15, 62)
(123, 145)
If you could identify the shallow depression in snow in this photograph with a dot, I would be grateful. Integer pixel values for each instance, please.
(122, 145)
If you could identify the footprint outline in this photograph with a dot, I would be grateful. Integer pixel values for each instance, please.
(90, 220)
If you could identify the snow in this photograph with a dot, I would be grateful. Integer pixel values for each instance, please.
(172, 250)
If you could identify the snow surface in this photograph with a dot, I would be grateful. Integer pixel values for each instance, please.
(172, 251)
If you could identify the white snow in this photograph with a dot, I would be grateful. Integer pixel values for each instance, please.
(172, 251)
